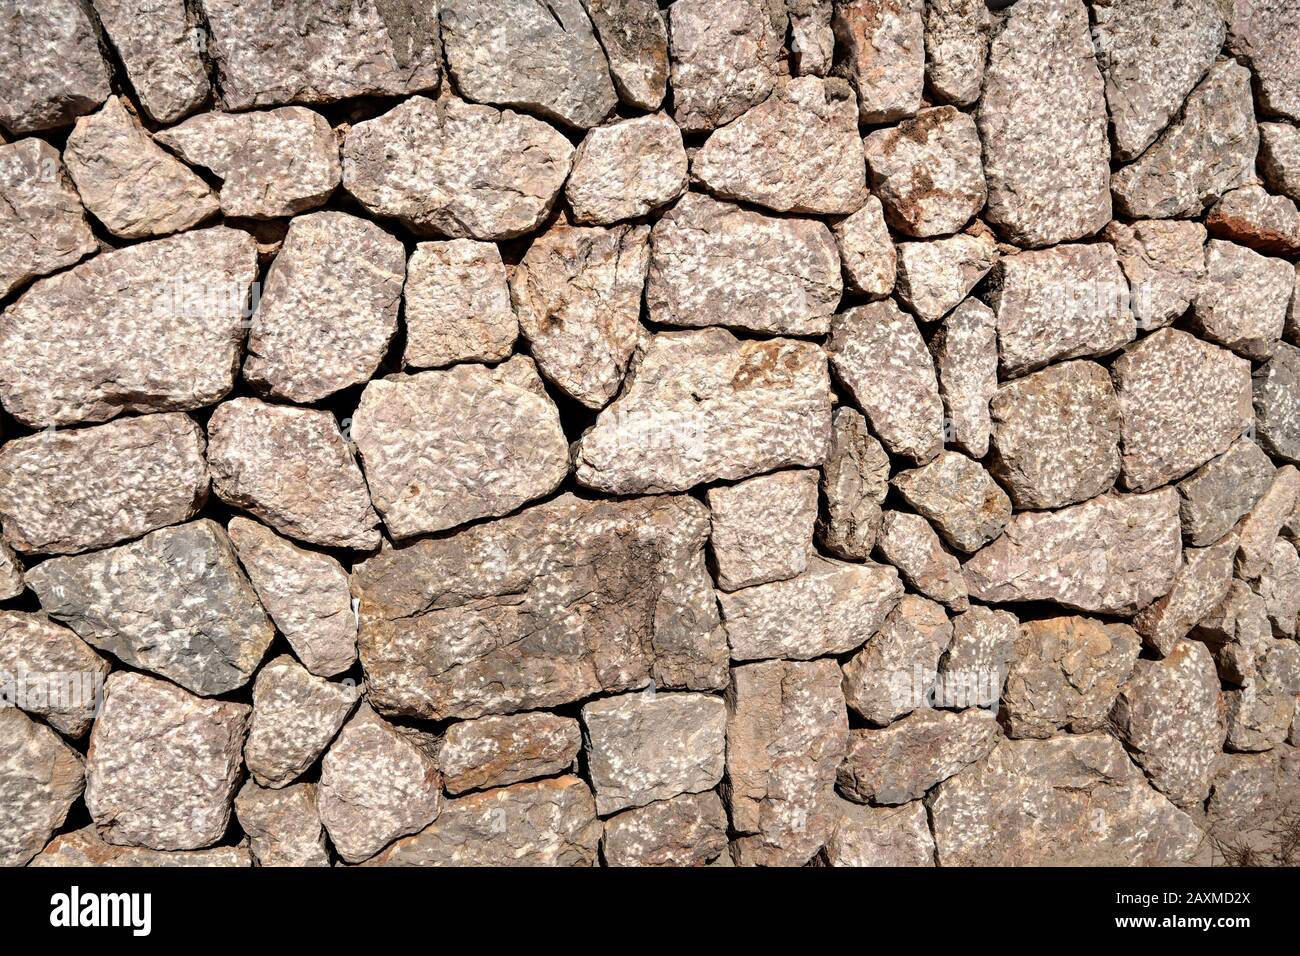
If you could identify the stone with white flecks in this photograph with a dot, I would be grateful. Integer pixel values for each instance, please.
(1259, 713)
(160, 46)
(283, 826)
(762, 528)
(1237, 632)
(1266, 33)
(935, 275)
(866, 249)
(1265, 520)
(86, 848)
(635, 40)
(956, 46)
(457, 305)
(495, 751)
(908, 542)
(894, 674)
(965, 350)
(1199, 587)
(50, 672)
(884, 48)
(724, 60)
(11, 573)
(880, 836)
(627, 169)
(1254, 217)
(965, 505)
(1222, 490)
(855, 481)
(40, 778)
(52, 63)
(974, 668)
(1164, 263)
(1277, 403)
(812, 41)
(687, 830)
(1242, 303)
(1279, 586)
(1279, 158)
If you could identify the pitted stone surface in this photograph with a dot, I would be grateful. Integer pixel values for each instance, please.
(956, 46)
(160, 48)
(1267, 32)
(884, 48)
(1259, 714)
(41, 777)
(1277, 403)
(855, 481)
(1164, 263)
(457, 304)
(762, 528)
(965, 350)
(1199, 587)
(964, 504)
(895, 673)
(1253, 217)
(1222, 490)
(86, 848)
(689, 830)
(295, 716)
(495, 751)
(908, 542)
(1261, 526)
(635, 40)
(48, 671)
(974, 668)
(724, 60)
(11, 573)
(880, 836)
(53, 67)
(1279, 158)
(627, 169)
(283, 826)
(936, 275)
(1279, 586)
(866, 250)
(1243, 300)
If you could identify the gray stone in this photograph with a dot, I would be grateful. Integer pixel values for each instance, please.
(53, 67)
(909, 543)
(1242, 303)
(457, 305)
(762, 528)
(1199, 587)
(1279, 158)
(956, 46)
(1256, 218)
(963, 503)
(86, 848)
(965, 350)
(627, 169)
(40, 779)
(1259, 714)
(936, 275)
(855, 481)
(904, 760)
(974, 668)
(49, 671)
(724, 60)
(866, 250)
(894, 674)
(1236, 632)
(160, 46)
(295, 716)
(1263, 523)
(688, 830)
(495, 751)
(1222, 490)
(1164, 263)
(884, 50)
(11, 573)
(880, 836)
(635, 40)
(1267, 34)
(1277, 403)
(283, 826)
(1279, 586)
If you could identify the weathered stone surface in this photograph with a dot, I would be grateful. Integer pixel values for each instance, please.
(762, 528)
(1222, 490)
(1277, 403)
(149, 328)
(1056, 435)
(963, 503)
(1170, 716)
(787, 731)
(577, 295)
(688, 830)
(1114, 555)
(563, 601)
(724, 60)
(812, 41)
(895, 673)
(1279, 586)
(855, 481)
(1262, 524)
(544, 823)
(1042, 119)
(67, 491)
(1151, 54)
(627, 169)
(1164, 263)
(494, 751)
(702, 406)
(880, 836)
(543, 58)
(376, 784)
(927, 172)
(1182, 402)
(53, 67)
(11, 573)
(267, 53)
(956, 46)
(163, 765)
(40, 778)
(1237, 632)
(974, 668)
(457, 305)
(647, 747)
(1243, 300)
(866, 250)
(292, 468)
(907, 758)
(1267, 34)
(797, 151)
(1259, 714)
(1060, 303)
(295, 716)
(305, 592)
(884, 50)
(908, 542)
(174, 603)
(832, 608)
(86, 848)
(48, 671)
(635, 40)
(283, 826)
(272, 163)
(159, 46)
(1200, 585)
(444, 447)
(1279, 158)
(456, 169)
(1070, 801)
(1256, 218)
(1199, 157)
(879, 355)
(128, 182)
(716, 263)
(965, 350)
(43, 227)
(934, 276)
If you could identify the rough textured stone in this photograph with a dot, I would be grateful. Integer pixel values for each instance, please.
(895, 673)
(1199, 157)
(295, 716)
(1267, 33)
(866, 250)
(635, 40)
(1242, 303)
(544, 823)
(879, 355)
(495, 751)
(963, 503)
(724, 60)
(855, 481)
(832, 608)
(444, 447)
(762, 528)
(457, 304)
(812, 41)
(909, 543)
(152, 327)
(880, 836)
(1042, 119)
(927, 172)
(974, 668)
(283, 826)
(292, 468)
(1170, 716)
(159, 46)
(67, 491)
(577, 295)
(11, 573)
(272, 163)
(627, 169)
(787, 731)
(40, 778)
(956, 46)
(456, 169)
(1261, 526)
(797, 151)
(174, 602)
(1164, 263)
(688, 830)
(1277, 403)
(647, 747)
(1279, 586)
(163, 765)
(935, 276)
(43, 226)
(52, 64)
(1200, 585)
(1114, 555)
(1254, 217)
(700, 406)
(1237, 632)
(884, 51)
(376, 784)
(1279, 158)
(86, 848)
(965, 350)
(1259, 714)
(1222, 490)
(128, 182)
(907, 758)
(563, 601)
(1056, 435)
(1182, 402)
(267, 52)
(48, 671)
(1071, 801)
(553, 63)
(715, 263)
